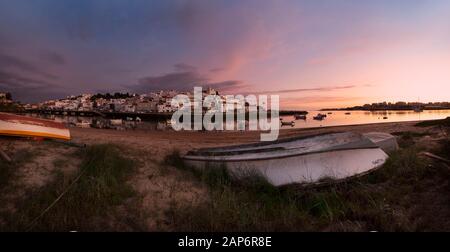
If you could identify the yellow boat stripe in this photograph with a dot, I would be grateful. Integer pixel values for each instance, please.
(32, 134)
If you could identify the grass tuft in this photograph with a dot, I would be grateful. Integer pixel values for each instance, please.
(253, 204)
(6, 172)
(86, 205)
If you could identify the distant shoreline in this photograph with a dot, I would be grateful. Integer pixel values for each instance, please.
(389, 109)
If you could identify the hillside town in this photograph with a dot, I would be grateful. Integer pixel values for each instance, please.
(160, 102)
(153, 102)
(5, 98)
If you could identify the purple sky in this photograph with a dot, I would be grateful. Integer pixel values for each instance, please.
(314, 53)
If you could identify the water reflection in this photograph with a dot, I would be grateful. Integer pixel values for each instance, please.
(105, 123)
(337, 118)
(331, 118)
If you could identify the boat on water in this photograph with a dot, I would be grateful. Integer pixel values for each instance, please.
(319, 117)
(303, 160)
(348, 113)
(83, 124)
(116, 121)
(300, 117)
(288, 123)
(24, 126)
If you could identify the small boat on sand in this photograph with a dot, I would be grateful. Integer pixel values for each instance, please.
(296, 160)
(24, 126)
(387, 142)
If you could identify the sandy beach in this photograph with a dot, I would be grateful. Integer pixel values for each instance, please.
(159, 187)
(160, 143)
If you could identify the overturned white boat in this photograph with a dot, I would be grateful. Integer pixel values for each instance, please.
(309, 159)
(387, 142)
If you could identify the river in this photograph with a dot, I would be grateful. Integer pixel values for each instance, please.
(334, 118)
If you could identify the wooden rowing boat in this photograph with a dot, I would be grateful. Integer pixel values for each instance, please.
(297, 160)
(24, 126)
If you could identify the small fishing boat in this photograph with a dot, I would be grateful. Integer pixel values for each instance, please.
(83, 124)
(116, 121)
(288, 123)
(24, 126)
(300, 117)
(348, 113)
(319, 117)
(309, 159)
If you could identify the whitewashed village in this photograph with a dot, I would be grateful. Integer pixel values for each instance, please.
(153, 102)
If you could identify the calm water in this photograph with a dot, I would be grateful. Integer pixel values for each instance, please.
(363, 117)
(336, 118)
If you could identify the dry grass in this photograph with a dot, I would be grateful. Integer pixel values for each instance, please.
(87, 203)
(388, 199)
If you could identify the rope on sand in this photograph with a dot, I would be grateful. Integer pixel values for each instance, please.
(31, 225)
(5, 157)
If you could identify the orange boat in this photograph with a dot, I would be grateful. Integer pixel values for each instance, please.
(15, 125)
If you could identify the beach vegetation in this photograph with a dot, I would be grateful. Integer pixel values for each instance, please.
(375, 202)
(80, 201)
(443, 122)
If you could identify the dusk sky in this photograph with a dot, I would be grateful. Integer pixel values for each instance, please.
(313, 53)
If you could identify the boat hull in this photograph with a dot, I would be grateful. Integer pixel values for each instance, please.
(385, 141)
(309, 159)
(14, 125)
(308, 168)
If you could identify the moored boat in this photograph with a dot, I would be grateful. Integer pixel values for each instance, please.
(83, 124)
(296, 160)
(15, 125)
(319, 117)
(300, 117)
(116, 121)
(288, 123)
